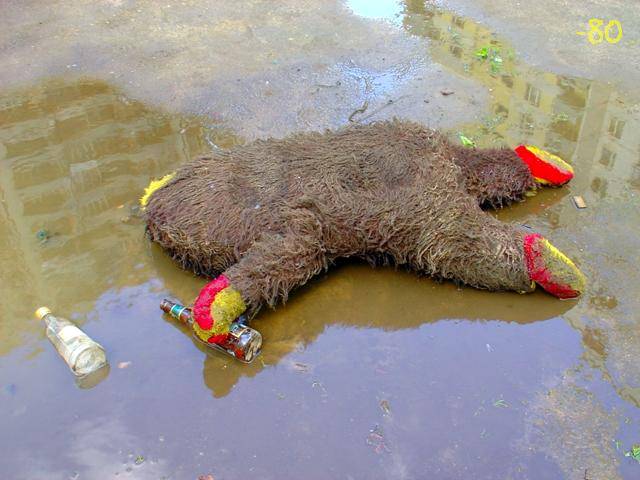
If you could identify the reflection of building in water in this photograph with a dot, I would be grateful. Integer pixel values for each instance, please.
(73, 159)
(582, 121)
(617, 152)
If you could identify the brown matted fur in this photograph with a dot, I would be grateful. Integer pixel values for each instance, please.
(272, 214)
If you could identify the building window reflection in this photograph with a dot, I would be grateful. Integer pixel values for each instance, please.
(599, 186)
(532, 95)
(458, 21)
(608, 158)
(526, 123)
(616, 127)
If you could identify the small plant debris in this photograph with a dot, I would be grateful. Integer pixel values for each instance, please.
(360, 110)
(496, 63)
(500, 404)
(483, 53)
(493, 55)
(466, 141)
(139, 460)
(300, 367)
(377, 441)
(386, 408)
(634, 453)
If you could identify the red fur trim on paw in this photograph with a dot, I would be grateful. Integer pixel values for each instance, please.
(218, 338)
(543, 169)
(538, 271)
(202, 305)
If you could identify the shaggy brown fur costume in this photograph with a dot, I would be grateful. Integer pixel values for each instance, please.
(272, 214)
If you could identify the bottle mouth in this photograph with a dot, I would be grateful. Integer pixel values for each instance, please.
(42, 312)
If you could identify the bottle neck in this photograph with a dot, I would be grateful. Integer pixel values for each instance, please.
(49, 320)
(177, 311)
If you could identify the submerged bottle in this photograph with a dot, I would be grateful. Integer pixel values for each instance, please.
(243, 342)
(84, 356)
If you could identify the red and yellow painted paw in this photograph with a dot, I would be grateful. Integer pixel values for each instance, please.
(546, 168)
(215, 309)
(551, 269)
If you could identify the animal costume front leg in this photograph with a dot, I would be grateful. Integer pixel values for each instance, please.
(498, 177)
(265, 274)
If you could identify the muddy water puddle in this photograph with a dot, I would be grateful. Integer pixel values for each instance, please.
(364, 374)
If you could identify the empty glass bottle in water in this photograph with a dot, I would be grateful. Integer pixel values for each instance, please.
(243, 342)
(82, 354)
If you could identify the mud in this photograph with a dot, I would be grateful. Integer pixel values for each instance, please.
(475, 384)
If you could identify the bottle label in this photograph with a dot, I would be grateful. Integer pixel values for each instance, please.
(176, 311)
(69, 333)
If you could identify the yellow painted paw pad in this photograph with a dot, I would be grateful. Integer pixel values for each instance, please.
(551, 269)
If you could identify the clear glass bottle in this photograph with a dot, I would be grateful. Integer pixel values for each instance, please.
(243, 342)
(83, 356)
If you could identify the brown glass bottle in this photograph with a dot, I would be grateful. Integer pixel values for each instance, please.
(243, 342)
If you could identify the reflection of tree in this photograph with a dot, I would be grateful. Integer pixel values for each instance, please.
(74, 157)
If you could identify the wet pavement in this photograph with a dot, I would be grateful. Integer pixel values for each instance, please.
(365, 373)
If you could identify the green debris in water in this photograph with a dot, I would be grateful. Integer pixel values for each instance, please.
(500, 404)
(496, 64)
(139, 460)
(466, 141)
(483, 53)
(634, 453)
(494, 57)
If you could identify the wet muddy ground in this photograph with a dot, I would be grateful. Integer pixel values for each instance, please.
(364, 374)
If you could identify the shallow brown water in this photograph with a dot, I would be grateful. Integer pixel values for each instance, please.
(364, 374)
